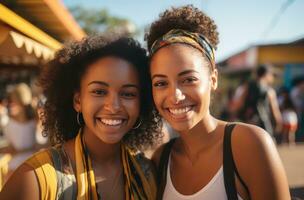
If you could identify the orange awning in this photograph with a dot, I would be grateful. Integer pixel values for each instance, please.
(26, 28)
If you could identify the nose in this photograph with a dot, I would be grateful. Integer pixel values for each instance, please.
(177, 95)
(112, 103)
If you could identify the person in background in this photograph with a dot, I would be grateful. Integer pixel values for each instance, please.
(289, 117)
(257, 102)
(21, 127)
(211, 159)
(297, 97)
(98, 114)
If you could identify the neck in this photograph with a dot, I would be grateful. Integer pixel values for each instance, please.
(21, 117)
(200, 137)
(100, 152)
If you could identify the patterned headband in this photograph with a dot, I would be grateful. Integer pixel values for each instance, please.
(196, 40)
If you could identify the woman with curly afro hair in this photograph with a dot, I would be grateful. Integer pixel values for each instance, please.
(212, 159)
(98, 115)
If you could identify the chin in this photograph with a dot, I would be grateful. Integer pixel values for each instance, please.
(111, 138)
(111, 141)
(181, 127)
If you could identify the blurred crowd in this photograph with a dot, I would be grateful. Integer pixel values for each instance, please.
(280, 112)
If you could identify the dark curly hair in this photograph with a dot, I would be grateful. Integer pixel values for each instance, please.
(60, 79)
(187, 18)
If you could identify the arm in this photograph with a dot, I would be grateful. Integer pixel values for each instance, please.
(259, 164)
(273, 101)
(22, 184)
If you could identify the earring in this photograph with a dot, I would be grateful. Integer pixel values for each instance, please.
(138, 125)
(78, 119)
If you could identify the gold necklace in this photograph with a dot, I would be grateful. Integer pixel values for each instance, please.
(117, 178)
(117, 174)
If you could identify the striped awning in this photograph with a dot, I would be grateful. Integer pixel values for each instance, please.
(16, 48)
(31, 46)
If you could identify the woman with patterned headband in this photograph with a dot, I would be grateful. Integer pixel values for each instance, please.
(212, 159)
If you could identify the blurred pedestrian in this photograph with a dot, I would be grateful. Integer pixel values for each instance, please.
(289, 117)
(21, 127)
(257, 102)
(297, 97)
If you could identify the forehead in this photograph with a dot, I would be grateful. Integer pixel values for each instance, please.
(176, 58)
(111, 70)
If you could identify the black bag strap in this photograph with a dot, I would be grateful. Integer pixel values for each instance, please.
(162, 169)
(229, 166)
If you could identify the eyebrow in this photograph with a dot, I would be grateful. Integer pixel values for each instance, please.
(130, 85)
(107, 85)
(99, 83)
(179, 74)
(158, 75)
(187, 72)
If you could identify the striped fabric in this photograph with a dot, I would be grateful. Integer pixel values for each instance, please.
(139, 174)
(195, 40)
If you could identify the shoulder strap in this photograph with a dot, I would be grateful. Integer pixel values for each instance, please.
(229, 166)
(66, 182)
(162, 169)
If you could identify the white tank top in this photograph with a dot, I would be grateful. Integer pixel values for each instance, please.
(214, 190)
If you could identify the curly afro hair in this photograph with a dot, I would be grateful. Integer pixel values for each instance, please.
(61, 77)
(187, 18)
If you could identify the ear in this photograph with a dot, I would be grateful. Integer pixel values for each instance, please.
(76, 102)
(214, 78)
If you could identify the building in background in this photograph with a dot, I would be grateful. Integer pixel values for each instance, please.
(30, 33)
(287, 58)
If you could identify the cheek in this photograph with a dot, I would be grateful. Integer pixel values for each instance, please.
(201, 92)
(157, 97)
(90, 105)
(132, 107)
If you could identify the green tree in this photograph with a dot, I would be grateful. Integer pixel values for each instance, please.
(94, 21)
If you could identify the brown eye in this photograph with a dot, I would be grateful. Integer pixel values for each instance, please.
(99, 92)
(189, 80)
(129, 95)
(160, 84)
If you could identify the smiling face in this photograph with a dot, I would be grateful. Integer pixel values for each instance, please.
(109, 99)
(182, 83)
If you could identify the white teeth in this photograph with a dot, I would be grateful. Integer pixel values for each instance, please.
(180, 110)
(111, 122)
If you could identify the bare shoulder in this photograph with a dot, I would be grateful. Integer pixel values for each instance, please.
(251, 137)
(258, 162)
(23, 184)
(254, 144)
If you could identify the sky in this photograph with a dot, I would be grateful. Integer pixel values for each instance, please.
(241, 23)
